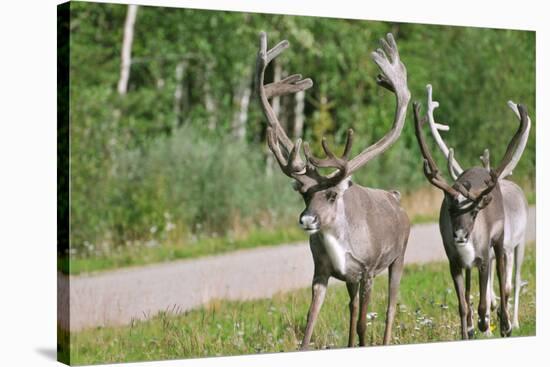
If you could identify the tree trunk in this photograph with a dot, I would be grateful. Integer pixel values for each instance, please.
(299, 114)
(277, 72)
(209, 103)
(242, 100)
(126, 55)
(178, 93)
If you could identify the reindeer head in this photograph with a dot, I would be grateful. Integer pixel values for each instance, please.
(478, 184)
(473, 189)
(323, 206)
(323, 195)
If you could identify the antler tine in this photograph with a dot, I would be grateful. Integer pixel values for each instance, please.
(332, 161)
(349, 143)
(290, 84)
(485, 160)
(273, 144)
(450, 160)
(516, 140)
(430, 168)
(393, 77)
(520, 147)
(275, 51)
(454, 167)
(292, 166)
(290, 158)
(476, 197)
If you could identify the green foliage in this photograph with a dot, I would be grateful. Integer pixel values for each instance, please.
(427, 312)
(145, 159)
(186, 183)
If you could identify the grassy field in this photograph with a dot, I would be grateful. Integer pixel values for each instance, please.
(427, 312)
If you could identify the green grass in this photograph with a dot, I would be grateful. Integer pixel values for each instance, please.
(424, 218)
(531, 197)
(427, 312)
(142, 255)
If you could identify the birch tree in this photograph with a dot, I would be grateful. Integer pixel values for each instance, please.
(179, 93)
(299, 114)
(126, 54)
(241, 102)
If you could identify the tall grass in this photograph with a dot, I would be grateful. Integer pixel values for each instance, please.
(182, 187)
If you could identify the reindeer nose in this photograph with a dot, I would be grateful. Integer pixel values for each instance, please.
(307, 220)
(461, 235)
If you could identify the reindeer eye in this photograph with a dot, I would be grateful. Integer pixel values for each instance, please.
(331, 196)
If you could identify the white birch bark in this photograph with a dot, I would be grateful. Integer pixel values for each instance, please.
(242, 101)
(126, 54)
(299, 114)
(209, 103)
(178, 93)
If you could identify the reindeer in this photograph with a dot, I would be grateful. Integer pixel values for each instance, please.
(514, 201)
(355, 232)
(472, 223)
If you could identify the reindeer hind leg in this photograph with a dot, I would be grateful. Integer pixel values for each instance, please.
(395, 271)
(518, 261)
(364, 299)
(505, 324)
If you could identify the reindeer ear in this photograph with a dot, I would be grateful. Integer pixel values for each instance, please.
(344, 185)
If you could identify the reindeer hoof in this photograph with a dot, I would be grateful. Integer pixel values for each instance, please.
(505, 328)
(506, 334)
(483, 324)
(505, 325)
(471, 332)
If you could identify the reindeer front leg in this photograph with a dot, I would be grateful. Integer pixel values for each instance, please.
(469, 317)
(318, 291)
(458, 280)
(483, 311)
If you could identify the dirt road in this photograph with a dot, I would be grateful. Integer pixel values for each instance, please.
(118, 297)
